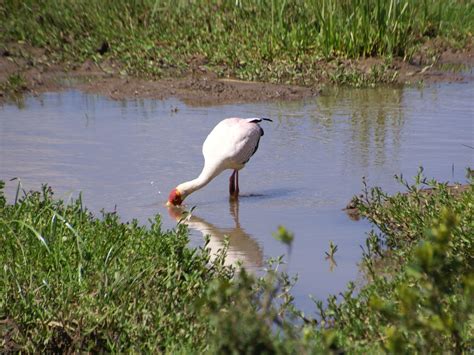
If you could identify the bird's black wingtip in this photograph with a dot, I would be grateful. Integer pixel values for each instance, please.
(266, 119)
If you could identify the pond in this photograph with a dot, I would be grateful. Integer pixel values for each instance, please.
(127, 156)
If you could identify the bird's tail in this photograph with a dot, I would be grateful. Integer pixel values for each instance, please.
(259, 119)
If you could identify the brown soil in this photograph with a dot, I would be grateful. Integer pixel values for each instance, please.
(201, 87)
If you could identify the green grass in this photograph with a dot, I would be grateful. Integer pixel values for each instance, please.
(420, 264)
(269, 40)
(14, 85)
(73, 282)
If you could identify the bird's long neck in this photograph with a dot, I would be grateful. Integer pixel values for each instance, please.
(208, 173)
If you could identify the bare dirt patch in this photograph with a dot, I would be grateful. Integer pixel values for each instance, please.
(202, 87)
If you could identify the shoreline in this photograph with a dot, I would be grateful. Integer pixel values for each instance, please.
(25, 70)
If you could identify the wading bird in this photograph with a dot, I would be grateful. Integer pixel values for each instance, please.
(229, 146)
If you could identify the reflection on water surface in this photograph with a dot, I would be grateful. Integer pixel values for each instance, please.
(242, 248)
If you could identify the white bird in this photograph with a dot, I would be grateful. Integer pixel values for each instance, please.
(229, 146)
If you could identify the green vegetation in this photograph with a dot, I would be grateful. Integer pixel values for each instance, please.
(332, 250)
(420, 297)
(421, 294)
(14, 85)
(268, 40)
(71, 281)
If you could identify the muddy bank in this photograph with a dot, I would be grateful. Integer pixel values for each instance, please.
(198, 87)
(36, 74)
(195, 89)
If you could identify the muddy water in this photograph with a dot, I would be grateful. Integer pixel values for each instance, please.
(128, 155)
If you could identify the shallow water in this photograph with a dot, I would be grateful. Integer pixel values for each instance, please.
(128, 155)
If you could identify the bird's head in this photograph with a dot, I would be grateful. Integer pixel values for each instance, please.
(175, 198)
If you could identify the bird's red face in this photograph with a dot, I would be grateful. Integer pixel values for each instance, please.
(175, 198)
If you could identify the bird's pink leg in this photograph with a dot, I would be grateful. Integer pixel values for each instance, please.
(232, 184)
(237, 184)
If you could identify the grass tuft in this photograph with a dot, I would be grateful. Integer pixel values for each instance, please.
(270, 40)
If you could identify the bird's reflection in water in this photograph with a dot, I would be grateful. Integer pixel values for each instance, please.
(243, 248)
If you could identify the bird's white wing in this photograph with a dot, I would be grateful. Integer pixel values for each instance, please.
(232, 142)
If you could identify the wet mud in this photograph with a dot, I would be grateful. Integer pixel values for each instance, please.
(200, 87)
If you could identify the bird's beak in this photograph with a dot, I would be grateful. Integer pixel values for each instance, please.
(168, 204)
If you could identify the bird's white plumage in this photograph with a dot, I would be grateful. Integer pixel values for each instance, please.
(229, 146)
(231, 143)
